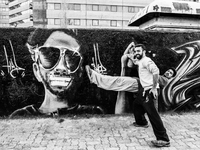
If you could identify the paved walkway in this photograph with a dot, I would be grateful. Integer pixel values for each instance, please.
(96, 133)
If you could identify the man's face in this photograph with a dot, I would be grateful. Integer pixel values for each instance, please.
(139, 53)
(169, 73)
(59, 62)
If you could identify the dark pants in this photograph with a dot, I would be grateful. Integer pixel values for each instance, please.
(144, 103)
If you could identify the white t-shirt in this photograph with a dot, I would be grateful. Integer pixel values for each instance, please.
(146, 69)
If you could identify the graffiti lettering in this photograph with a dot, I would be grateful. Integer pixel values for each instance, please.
(12, 68)
(96, 62)
(181, 6)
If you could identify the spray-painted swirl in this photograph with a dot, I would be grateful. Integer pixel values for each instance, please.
(184, 87)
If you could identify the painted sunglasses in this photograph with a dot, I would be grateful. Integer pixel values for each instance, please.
(49, 57)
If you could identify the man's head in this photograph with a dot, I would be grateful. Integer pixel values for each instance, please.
(57, 63)
(170, 73)
(139, 51)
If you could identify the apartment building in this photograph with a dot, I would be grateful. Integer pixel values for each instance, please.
(4, 15)
(20, 13)
(114, 14)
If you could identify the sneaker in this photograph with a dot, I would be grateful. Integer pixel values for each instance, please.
(160, 143)
(137, 125)
(89, 72)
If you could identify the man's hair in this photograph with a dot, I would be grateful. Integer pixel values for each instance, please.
(39, 35)
(174, 71)
(140, 45)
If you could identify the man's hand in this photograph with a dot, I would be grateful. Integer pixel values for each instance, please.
(132, 57)
(130, 48)
(154, 92)
(132, 44)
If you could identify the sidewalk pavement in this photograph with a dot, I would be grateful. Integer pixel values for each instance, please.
(109, 132)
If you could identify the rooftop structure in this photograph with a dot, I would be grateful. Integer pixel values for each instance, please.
(168, 15)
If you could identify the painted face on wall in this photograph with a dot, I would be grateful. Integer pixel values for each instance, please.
(169, 73)
(59, 62)
(139, 52)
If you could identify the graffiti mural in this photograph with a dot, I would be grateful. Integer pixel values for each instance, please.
(43, 71)
(183, 90)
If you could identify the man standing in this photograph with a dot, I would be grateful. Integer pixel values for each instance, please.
(148, 76)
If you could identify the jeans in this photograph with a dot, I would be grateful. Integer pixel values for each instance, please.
(145, 104)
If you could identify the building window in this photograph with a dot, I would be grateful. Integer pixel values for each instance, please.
(51, 21)
(104, 8)
(132, 9)
(89, 7)
(70, 21)
(105, 23)
(107, 8)
(198, 11)
(89, 22)
(4, 2)
(31, 17)
(4, 25)
(4, 9)
(95, 7)
(12, 16)
(95, 22)
(119, 23)
(50, 6)
(74, 7)
(70, 6)
(30, 5)
(77, 7)
(77, 22)
(57, 21)
(119, 8)
(166, 9)
(57, 6)
(4, 17)
(113, 23)
(114, 8)
(15, 7)
(125, 23)
(11, 8)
